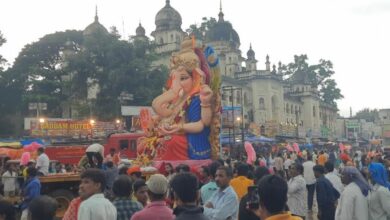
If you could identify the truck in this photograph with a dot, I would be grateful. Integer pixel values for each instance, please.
(71, 152)
(64, 187)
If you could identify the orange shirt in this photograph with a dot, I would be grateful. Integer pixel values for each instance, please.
(240, 185)
(321, 160)
(284, 216)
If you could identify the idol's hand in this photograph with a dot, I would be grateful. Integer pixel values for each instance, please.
(205, 95)
(170, 129)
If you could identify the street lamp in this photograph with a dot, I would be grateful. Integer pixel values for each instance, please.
(41, 120)
(242, 129)
(118, 121)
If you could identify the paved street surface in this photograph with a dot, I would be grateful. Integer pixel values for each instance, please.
(312, 215)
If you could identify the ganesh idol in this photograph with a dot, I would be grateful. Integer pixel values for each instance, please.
(186, 110)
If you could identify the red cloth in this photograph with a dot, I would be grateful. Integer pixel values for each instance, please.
(176, 148)
(134, 169)
(73, 208)
(344, 157)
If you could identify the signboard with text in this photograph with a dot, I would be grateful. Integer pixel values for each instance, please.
(352, 124)
(72, 128)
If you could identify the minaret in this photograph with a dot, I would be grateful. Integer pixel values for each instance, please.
(140, 33)
(96, 14)
(267, 63)
(274, 69)
(251, 61)
(220, 15)
(280, 67)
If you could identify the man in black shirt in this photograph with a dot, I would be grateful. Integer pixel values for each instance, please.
(185, 187)
(327, 195)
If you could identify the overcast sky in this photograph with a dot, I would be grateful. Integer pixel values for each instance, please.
(353, 34)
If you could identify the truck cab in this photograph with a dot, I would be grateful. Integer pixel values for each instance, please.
(124, 143)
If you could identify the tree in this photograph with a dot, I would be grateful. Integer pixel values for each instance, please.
(2, 60)
(61, 68)
(200, 31)
(40, 69)
(368, 115)
(317, 76)
(122, 66)
(329, 92)
(9, 99)
(114, 32)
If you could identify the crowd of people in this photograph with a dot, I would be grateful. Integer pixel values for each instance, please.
(283, 185)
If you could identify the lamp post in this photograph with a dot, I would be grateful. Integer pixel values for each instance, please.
(243, 118)
(242, 128)
(232, 89)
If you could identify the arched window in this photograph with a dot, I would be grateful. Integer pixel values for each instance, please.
(161, 40)
(261, 103)
(292, 109)
(245, 99)
(171, 37)
(287, 108)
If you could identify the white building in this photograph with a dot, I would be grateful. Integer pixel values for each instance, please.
(288, 107)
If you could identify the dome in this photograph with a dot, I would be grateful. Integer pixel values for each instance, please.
(168, 18)
(222, 31)
(140, 31)
(250, 54)
(95, 27)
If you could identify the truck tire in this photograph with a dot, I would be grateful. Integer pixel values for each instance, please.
(63, 197)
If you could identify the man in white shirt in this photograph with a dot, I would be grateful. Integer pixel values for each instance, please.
(94, 205)
(95, 152)
(332, 177)
(296, 191)
(287, 163)
(308, 175)
(43, 162)
(279, 165)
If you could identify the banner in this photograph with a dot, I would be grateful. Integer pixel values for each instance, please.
(72, 128)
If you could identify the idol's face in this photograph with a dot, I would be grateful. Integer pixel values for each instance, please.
(185, 78)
